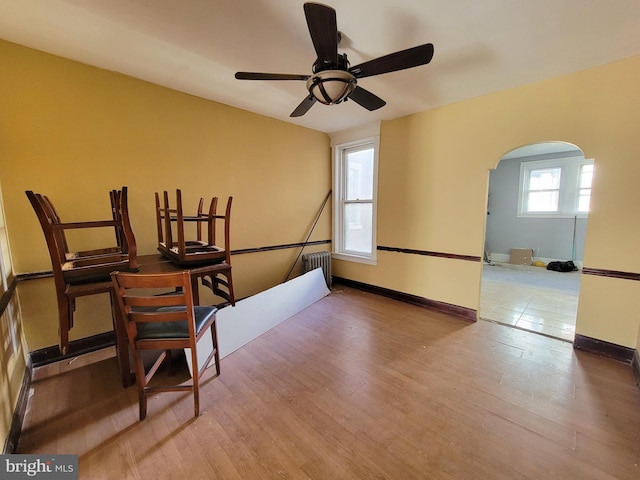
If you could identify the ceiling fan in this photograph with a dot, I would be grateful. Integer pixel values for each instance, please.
(333, 80)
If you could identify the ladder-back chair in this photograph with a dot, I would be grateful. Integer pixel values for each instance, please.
(82, 273)
(212, 249)
(158, 313)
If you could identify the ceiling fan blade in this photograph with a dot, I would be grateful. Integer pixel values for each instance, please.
(366, 99)
(269, 76)
(323, 28)
(409, 58)
(304, 106)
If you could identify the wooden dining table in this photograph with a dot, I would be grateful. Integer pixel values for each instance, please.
(156, 263)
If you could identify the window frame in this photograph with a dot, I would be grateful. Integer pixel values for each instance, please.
(339, 152)
(569, 189)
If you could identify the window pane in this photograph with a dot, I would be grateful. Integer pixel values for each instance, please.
(359, 170)
(357, 227)
(583, 200)
(584, 192)
(545, 179)
(586, 176)
(542, 201)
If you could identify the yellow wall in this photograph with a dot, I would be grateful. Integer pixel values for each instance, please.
(74, 132)
(433, 179)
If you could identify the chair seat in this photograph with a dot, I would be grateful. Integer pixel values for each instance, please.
(99, 276)
(201, 250)
(159, 330)
(193, 254)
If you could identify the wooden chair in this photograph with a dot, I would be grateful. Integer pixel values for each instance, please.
(82, 273)
(202, 250)
(159, 314)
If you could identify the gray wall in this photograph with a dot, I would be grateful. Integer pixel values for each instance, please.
(549, 237)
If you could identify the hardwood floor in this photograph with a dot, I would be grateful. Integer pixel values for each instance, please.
(357, 386)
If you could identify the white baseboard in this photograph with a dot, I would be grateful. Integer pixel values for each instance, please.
(504, 258)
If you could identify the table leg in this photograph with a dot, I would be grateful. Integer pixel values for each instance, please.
(195, 290)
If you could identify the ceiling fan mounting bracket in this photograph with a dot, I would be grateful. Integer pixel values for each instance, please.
(321, 65)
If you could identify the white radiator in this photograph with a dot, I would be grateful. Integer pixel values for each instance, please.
(311, 261)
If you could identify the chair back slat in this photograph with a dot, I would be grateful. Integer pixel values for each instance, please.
(161, 300)
(140, 294)
(163, 317)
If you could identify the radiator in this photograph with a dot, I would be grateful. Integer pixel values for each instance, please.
(311, 261)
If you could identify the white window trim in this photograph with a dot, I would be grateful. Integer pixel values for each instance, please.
(340, 141)
(569, 186)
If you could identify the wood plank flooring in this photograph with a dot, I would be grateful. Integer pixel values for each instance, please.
(357, 386)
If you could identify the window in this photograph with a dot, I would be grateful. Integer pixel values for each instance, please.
(355, 185)
(544, 190)
(555, 188)
(5, 256)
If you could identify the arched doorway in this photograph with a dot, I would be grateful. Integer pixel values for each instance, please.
(536, 213)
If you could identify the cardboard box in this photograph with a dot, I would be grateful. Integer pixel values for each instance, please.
(521, 256)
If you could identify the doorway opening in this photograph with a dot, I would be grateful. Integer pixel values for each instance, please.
(537, 208)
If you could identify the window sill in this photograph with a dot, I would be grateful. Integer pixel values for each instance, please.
(552, 215)
(355, 258)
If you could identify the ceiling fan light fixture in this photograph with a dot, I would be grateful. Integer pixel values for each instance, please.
(331, 86)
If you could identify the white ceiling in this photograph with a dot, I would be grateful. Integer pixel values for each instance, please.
(196, 46)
